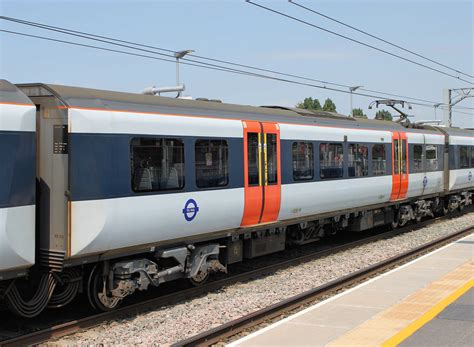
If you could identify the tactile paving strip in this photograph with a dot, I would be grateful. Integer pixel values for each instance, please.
(395, 324)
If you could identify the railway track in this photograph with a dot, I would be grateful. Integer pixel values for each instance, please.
(234, 327)
(251, 321)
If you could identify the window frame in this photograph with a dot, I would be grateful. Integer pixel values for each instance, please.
(429, 167)
(321, 167)
(468, 157)
(372, 160)
(132, 166)
(227, 147)
(472, 156)
(358, 145)
(308, 145)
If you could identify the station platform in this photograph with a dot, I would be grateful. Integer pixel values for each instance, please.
(426, 302)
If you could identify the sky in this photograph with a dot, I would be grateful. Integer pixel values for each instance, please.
(236, 31)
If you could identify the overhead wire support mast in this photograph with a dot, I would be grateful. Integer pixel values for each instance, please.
(357, 41)
(461, 94)
(171, 53)
(293, 2)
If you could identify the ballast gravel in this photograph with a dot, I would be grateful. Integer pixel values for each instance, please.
(169, 324)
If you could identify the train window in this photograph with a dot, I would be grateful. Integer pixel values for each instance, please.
(431, 158)
(212, 163)
(472, 156)
(303, 161)
(396, 161)
(331, 159)
(404, 156)
(464, 156)
(358, 160)
(379, 161)
(253, 153)
(157, 164)
(417, 158)
(272, 165)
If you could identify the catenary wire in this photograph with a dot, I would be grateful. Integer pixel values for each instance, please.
(92, 36)
(357, 41)
(223, 69)
(378, 38)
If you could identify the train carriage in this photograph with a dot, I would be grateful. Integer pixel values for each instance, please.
(17, 182)
(136, 190)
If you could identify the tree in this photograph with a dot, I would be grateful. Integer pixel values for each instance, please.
(358, 113)
(329, 105)
(383, 115)
(310, 104)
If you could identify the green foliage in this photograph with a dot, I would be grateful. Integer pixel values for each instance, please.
(358, 113)
(383, 115)
(329, 105)
(310, 104)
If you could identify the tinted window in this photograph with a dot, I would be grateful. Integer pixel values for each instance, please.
(404, 156)
(303, 161)
(431, 158)
(464, 156)
(358, 160)
(396, 169)
(212, 166)
(331, 160)
(379, 163)
(272, 162)
(157, 164)
(472, 156)
(253, 159)
(417, 158)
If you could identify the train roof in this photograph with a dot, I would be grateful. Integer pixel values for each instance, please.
(139, 103)
(457, 131)
(9, 93)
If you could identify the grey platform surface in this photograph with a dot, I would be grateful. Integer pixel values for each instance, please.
(452, 327)
(326, 321)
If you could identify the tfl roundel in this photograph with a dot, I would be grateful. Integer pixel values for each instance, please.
(425, 181)
(190, 210)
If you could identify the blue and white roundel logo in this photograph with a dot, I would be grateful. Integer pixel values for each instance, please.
(190, 210)
(425, 181)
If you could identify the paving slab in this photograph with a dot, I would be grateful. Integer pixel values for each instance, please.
(378, 309)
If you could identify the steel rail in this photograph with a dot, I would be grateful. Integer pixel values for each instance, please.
(73, 326)
(239, 325)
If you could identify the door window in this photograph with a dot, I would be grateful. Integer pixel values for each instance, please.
(253, 153)
(396, 169)
(404, 156)
(272, 162)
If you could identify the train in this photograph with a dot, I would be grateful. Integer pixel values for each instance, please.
(107, 193)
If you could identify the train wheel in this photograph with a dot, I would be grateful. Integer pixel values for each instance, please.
(97, 291)
(199, 279)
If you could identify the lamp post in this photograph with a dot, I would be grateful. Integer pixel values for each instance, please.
(353, 89)
(178, 56)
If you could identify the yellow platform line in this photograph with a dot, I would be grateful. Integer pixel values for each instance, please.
(428, 316)
(394, 324)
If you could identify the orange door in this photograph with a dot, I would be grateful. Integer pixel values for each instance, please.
(399, 166)
(262, 172)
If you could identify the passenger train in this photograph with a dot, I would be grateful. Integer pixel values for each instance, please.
(108, 193)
